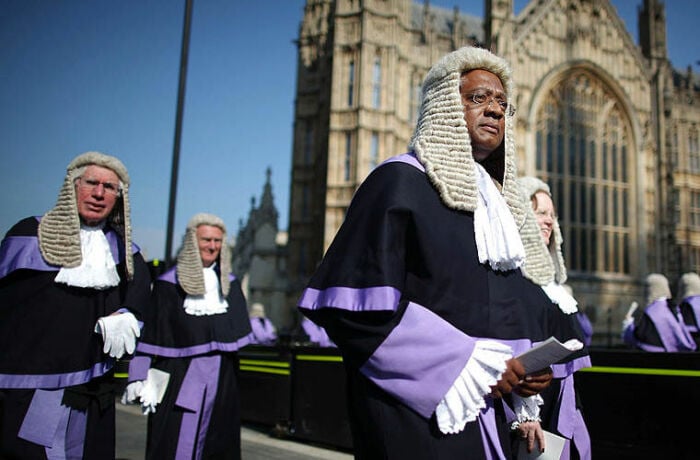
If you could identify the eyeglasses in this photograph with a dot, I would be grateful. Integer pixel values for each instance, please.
(92, 184)
(480, 98)
(543, 213)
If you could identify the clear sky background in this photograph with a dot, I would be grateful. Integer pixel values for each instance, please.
(80, 75)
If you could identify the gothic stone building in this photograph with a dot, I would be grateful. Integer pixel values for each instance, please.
(609, 124)
(258, 258)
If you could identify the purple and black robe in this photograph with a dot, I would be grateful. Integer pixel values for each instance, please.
(199, 416)
(690, 311)
(659, 328)
(402, 294)
(57, 388)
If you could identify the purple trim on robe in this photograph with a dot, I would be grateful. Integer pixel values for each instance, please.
(316, 333)
(694, 302)
(138, 368)
(57, 450)
(670, 327)
(586, 327)
(58, 428)
(51, 381)
(582, 440)
(113, 240)
(378, 298)
(195, 350)
(571, 424)
(43, 417)
(420, 359)
(408, 158)
(263, 332)
(197, 395)
(650, 348)
(75, 434)
(489, 432)
(628, 336)
(22, 252)
(561, 371)
(169, 276)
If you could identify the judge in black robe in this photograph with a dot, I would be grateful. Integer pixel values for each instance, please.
(56, 379)
(194, 339)
(425, 311)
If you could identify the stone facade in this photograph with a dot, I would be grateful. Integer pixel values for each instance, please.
(259, 259)
(609, 124)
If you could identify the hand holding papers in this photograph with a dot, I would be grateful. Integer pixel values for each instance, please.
(554, 445)
(547, 353)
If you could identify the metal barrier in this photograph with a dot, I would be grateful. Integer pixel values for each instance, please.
(636, 404)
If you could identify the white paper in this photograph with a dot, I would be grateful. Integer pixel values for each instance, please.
(159, 379)
(547, 353)
(553, 447)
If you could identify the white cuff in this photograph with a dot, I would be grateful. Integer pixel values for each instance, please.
(465, 398)
(527, 409)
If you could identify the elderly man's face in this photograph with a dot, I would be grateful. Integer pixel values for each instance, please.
(485, 121)
(544, 211)
(97, 191)
(209, 239)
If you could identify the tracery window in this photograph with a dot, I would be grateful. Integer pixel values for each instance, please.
(583, 146)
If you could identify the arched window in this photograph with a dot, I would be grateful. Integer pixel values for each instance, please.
(583, 151)
(351, 83)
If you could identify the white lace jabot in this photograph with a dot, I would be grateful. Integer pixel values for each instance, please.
(497, 237)
(97, 269)
(559, 296)
(212, 302)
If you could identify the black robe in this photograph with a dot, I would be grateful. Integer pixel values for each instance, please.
(199, 416)
(402, 294)
(50, 352)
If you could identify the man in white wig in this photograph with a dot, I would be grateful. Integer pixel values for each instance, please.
(544, 265)
(71, 287)
(421, 289)
(689, 304)
(184, 371)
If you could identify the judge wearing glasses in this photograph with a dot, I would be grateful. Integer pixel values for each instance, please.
(72, 284)
(421, 289)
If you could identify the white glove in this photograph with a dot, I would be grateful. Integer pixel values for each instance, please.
(153, 390)
(119, 333)
(132, 392)
(149, 398)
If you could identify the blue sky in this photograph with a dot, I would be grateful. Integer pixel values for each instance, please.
(103, 75)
